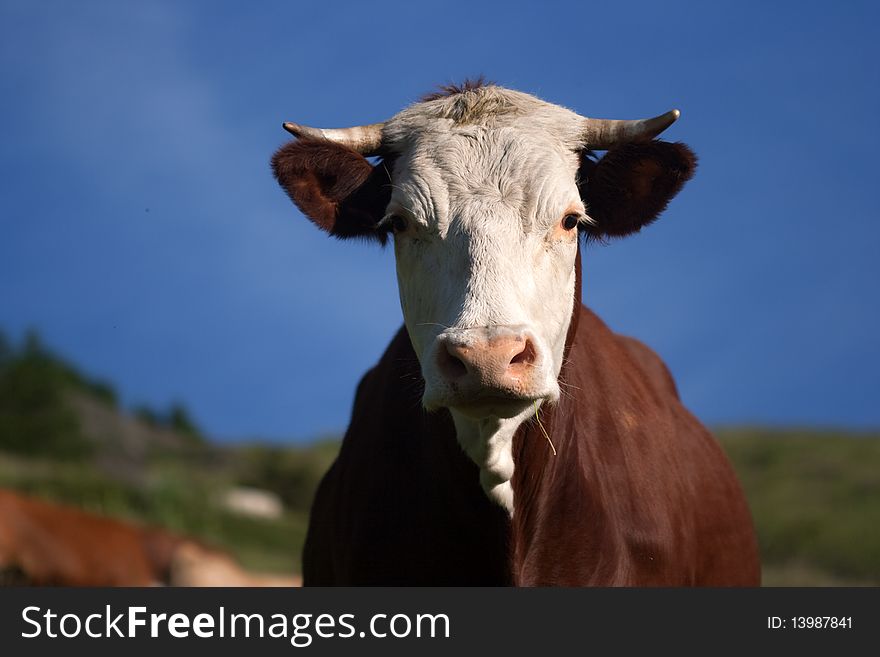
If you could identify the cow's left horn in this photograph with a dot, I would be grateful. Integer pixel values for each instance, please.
(365, 139)
(602, 134)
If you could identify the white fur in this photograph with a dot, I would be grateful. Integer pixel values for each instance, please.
(488, 443)
(483, 180)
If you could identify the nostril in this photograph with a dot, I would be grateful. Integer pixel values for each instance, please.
(525, 358)
(450, 365)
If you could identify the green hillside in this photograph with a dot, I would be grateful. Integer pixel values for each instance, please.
(815, 495)
(815, 498)
(64, 437)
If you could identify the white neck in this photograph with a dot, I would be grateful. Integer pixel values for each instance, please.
(489, 444)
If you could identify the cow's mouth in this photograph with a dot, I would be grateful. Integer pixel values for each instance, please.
(493, 404)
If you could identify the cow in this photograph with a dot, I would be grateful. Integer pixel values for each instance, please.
(58, 545)
(48, 544)
(507, 436)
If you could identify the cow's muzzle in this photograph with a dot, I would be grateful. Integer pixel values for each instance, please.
(489, 371)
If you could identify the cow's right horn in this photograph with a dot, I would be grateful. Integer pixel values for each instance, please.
(602, 134)
(365, 139)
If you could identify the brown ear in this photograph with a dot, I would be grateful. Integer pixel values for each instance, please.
(334, 186)
(629, 187)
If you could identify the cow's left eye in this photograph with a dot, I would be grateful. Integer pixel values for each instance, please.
(398, 223)
(570, 221)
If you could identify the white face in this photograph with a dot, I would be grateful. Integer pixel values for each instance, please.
(485, 243)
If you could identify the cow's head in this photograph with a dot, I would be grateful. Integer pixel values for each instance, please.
(485, 191)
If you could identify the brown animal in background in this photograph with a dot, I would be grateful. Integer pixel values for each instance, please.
(58, 545)
(553, 451)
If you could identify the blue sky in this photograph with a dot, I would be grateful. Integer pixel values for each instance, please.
(142, 234)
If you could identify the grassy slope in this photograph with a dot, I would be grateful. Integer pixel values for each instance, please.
(815, 497)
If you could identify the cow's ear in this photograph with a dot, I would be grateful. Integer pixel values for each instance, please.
(334, 186)
(629, 187)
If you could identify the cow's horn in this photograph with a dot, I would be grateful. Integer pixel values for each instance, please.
(602, 134)
(365, 139)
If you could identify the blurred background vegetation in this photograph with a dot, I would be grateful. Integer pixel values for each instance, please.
(815, 495)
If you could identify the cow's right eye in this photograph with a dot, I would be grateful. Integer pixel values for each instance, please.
(570, 221)
(398, 223)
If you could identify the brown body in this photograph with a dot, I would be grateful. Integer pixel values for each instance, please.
(48, 544)
(638, 494)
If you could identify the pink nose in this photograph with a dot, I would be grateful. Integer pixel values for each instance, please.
(503, 363)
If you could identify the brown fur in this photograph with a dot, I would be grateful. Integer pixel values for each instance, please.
(334, 186)
(629, 187)
(446, 90)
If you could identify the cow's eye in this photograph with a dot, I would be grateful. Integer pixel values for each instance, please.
(570, 221)
(398, 223)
